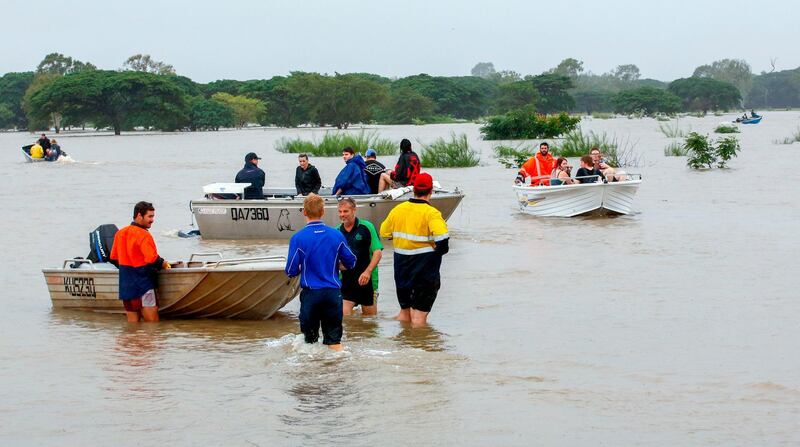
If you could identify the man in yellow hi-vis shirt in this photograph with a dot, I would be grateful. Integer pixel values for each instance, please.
(420, 239)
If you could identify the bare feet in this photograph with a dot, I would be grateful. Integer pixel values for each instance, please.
(337, 348)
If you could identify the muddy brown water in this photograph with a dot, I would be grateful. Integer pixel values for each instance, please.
(677, 325)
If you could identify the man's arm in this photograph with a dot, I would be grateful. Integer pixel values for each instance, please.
(346, 256)
(297, 176)
(317, 181)
(294, 259)
(376, 248)
(441, 237)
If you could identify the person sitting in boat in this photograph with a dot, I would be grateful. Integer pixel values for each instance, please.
(253, 175)
(405, 171)
(588, 172)
(306, 177)
(37, 151)
(44, 142)
(54, 152)
(562, 174)
(352, 180)
(601, 165)
(753, 114)
(538, 167)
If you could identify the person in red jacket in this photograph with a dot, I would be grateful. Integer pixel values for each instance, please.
(405, 171)
(134, 252)
(538, 168)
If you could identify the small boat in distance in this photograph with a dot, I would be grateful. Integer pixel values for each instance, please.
(26, 152)
(579, 199)
(753, 119)
(247, 288)
(223, 215)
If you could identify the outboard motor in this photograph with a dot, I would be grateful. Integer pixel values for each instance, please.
(100, 242)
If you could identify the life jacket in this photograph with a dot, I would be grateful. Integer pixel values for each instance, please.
(538, 166)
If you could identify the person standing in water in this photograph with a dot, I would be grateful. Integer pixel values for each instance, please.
(316, 253)
(360, 285)
(420, 238)
(134, 253)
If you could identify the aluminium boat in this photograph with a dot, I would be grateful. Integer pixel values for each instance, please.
(248, 288)
(223, 215)
(579, 199)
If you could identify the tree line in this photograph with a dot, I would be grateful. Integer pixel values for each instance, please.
(145, 93)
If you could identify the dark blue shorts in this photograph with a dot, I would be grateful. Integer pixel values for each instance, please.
(321, 307)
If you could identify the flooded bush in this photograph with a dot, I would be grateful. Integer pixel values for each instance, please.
(794, 138)
(525, 124)
(452, 153)
(602, 115)
(675, 149)
(672, 131)
(332, 143)
(703, 154)
(726, 128)
(513, 157)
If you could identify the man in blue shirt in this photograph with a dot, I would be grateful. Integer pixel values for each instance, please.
(316, 253)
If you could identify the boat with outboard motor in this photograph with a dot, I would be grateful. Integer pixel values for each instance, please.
(223, 215)
(26, 153)
(206, 286)
(754, 119)
(579, 199)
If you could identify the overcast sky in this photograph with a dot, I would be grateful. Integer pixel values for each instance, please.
(240, 39)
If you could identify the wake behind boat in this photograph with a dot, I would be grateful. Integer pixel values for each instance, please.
(248, 288)
(221, 215)
(579, 199)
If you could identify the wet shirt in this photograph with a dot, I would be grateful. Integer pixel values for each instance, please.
(363, 241)
(315, 252)
(374, 169)
(135, 251)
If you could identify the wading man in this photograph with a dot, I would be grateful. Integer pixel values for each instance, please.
(134, 253)
(316, 253)
(420, 240)
(360, 284)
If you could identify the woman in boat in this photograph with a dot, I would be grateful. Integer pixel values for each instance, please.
(54, 152)
(562, 174)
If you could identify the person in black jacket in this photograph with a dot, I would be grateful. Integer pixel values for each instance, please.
(306, 177)
(253, 175)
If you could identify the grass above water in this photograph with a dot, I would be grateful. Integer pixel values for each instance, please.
(675, 149)
(452, 153)
(793, 138)
(332, 143)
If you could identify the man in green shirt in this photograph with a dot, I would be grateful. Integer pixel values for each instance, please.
(360, 284)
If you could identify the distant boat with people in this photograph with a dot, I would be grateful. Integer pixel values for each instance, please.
(222, 214)
(579, 199)
(205, 286)
(754, 118)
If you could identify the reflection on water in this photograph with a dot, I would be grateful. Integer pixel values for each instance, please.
(672, 326)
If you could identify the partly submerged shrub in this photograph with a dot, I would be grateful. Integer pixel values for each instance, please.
(703, 154)
(616, 152)
(525, 124)
(675, 149)
(513, 157)
(332, 143)
(794, 138)
(726, 128)
(602, 115)
(671, 131)
(452, 153)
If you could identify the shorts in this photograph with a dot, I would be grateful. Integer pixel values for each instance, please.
(136, 304)
(419, 298)
(321, 308)
(362, 296)
(396, 184)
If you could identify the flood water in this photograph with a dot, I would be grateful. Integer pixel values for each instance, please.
(677, 325)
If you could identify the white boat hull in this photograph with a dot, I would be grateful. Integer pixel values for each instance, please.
(577, 200)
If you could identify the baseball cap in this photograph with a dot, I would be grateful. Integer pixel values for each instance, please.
(423, 181)
(371, 153)
(251, 156)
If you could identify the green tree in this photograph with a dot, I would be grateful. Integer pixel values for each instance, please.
(515, 95)
(648, 99)
(626, 73)
(245, 110)
(568, 67)
(780, 89)
(41, 119)
(594, 101)
(505, 77)
(58, 64)
(12, 93)
(483, 70)
(228, 86)
(406, 105)
(732, 71)
(208, 114)
(145, 63)
(704, 94)
(553, 92)
(112, 99)
(465, 97)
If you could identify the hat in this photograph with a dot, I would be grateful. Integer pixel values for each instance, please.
(423, 181)
(251, 156)
(371, 153)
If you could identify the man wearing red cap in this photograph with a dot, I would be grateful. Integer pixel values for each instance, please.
(420, 239)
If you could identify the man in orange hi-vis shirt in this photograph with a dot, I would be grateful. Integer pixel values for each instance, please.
(134, 252)
(538, 168)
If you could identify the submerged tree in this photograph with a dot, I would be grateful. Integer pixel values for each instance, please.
(704, 94)
(732, 71)
(626, 73)
(245, 110)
